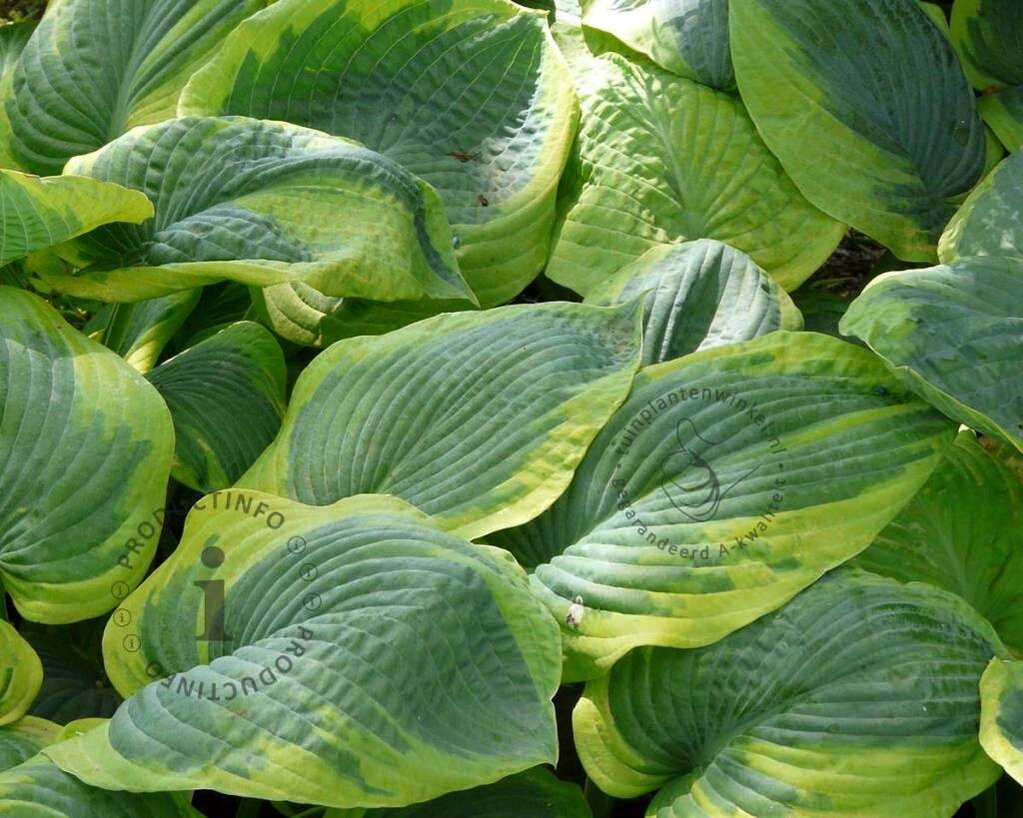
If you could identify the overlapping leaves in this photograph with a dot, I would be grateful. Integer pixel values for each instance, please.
(728, 481)
(478, 419)
(371, 658)
(660, 159)
(257, 202)
(473, 97)
(859, 697)
(703, 294)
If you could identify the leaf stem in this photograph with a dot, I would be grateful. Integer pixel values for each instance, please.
(249, 808)
(600, 802)
(985, 805)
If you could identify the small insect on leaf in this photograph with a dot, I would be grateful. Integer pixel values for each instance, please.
(574, 617)
(483, 200)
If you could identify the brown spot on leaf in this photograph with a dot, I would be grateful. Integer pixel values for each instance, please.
(464, 157)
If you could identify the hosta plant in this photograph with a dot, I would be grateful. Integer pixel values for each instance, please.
(491, 409)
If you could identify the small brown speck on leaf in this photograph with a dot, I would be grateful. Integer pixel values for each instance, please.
(483, 200)
(464, 157)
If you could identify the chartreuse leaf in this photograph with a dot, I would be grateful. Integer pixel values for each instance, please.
(38, 213)
(660, 159)
(472, 96)
(535, 793)
(21, 673)
(937, 14)
(865, 104)
(478, 419)
(988, 34)
(75, 685)
(954, 334)
(138, 332)
(226, 395)
(1003, 113)
(704, 294)
(686, 37)
(352, 654)
(1001, 717)
(988, 222)
(38, 789)
(94, 69)
(23, 739)
(859, 697)
(728, 481)
(85, 453)
(257, 202)
(961, 533)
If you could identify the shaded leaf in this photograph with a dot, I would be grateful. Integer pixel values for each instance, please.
(535, 793)
(961, 533)
(226, 396)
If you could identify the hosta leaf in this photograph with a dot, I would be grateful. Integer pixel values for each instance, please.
(704, 294)
(988, 34)
(75, 685)
(21, 673)
(85, 453)
(535, 793)
(961, 533)
(988, 222)
(859, 697)
(1003, 113)
(138, 332)
(37, 213)
(1001, 720)
(13, 37)
(686, 37)
(476, 418)
(865, 104)
(258, 202)
(38, 789)
(473, 97)
(220, 305)
(659, 159)
(728, 481)
(94, 69)
(23, 739)
(357, 656)
(226, 396)
(937, 14)
(306, 316)
(955, 335)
